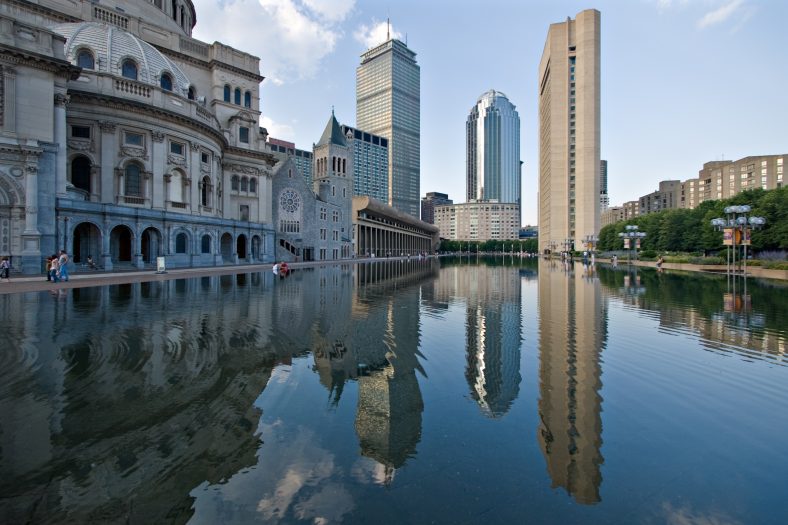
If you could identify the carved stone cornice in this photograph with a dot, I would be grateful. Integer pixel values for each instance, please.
(130, 151)
(19, 57)
(81, 145)
(107, 126)
(176, 159)
(240, 168)
(167, 177)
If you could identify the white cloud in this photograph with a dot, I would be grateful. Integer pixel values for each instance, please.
(291, 37)
(374, 34)
(331, 10)
(277, 129)
(720, 14)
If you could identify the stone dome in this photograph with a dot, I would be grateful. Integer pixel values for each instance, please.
(111, 45)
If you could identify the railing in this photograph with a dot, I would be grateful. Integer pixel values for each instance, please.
(131, 200)
(132, 87)
(204, 113)
(178, 205)
(110, 17)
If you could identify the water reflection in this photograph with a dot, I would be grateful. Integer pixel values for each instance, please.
(572, 335)
(724, 313)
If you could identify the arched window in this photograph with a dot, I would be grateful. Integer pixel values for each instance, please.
(80, 173)
(183, 18)
(234, 183)
(133, 181)
(238, 96)
(85, 59)
(248, 99)
(166, 81)
(253, 185)
(174, 10)
(244, 184)
(205, 191)
(191, 93)
(227, 92)
(129, 69)
(206, 244)
(180, 243)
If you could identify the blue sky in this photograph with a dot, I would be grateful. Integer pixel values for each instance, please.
(683, 81)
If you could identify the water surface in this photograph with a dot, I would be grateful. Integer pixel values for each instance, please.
(459, 391)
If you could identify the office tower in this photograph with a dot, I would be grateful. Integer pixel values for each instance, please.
(370, 163)
(428, 204)
(569, 139)
(604, 199)
(387, 104)
(301, 158)
(493, 150)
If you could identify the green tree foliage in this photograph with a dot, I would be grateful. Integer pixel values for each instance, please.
(490, 246)
(691, 230)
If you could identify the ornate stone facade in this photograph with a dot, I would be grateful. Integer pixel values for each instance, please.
(117, 145)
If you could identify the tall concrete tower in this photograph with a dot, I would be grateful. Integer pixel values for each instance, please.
(388, 105)
(493, 167)
(569, 136)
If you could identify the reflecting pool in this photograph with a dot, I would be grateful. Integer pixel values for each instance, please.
(423, 391)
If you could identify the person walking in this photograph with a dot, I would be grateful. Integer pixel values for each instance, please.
(54, 269)
(5, 269)
(63, 265)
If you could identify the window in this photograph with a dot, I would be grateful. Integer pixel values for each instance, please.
(252, 185)
(234, 183)
(243, 135)
(204, 157)
(248, 99)
(133, 181)
(166, 82)
(191, 93)
(176, 148)
(238, 96)
(205, 244)
(80, 132)
(227, 92)
(244, 184)
(205, 193)
(80, 173)
(133, 139)
(244, 212)
(129, 69)
(85, 59)
(180, 243)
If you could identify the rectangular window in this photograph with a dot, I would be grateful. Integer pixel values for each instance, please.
(204, 157)
(80, 132)
(244, 212)
(243, 135)
(176, 148)
(133, 139)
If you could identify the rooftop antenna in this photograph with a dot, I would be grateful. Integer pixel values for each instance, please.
(388, 29)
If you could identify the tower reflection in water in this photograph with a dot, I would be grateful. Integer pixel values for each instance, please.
(572, 334)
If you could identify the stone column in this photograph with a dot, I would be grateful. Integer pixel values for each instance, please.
(108, 154)
(193, 174)
(8, 118)
(106, 254)
(158, 163)
(31, 236)
(61, 139)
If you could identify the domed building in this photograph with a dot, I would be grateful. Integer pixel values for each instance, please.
(124, 139)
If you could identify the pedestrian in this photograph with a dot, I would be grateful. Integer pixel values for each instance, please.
(659, 263)
(5, 269)
(63, 265)
(54, 269)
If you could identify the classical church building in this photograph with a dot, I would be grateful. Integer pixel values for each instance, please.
(125, 139)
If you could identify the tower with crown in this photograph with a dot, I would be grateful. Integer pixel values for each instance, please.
(333, 184)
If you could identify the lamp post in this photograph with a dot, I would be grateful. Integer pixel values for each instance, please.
(736, 231)
(568, 243)
(631, 236)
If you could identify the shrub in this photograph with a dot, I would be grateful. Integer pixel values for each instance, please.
(648, 254)
(776, 265)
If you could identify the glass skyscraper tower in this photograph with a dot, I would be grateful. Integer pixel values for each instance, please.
(493, 150)
(387, 104)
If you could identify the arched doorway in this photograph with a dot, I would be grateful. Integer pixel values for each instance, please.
(240, 246)
(80, 173)
(87, 242)
(120, 243)
(227, 247)
(150, 245)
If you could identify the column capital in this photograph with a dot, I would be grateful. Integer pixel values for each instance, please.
(107, 126)
(61, 100)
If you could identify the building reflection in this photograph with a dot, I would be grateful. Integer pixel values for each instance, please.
(375, 343)
(572, 334)
(116, 425)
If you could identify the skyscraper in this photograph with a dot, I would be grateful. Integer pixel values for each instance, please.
(604, 198)
(493, 150)
(387, 104)
(569, 114)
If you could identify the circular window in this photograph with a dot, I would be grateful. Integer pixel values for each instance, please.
(289, 200)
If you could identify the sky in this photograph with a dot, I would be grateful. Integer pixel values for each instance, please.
(683, 81)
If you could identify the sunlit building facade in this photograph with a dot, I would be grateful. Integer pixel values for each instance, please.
(569, 131)
(388, 105)
(493, 166)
